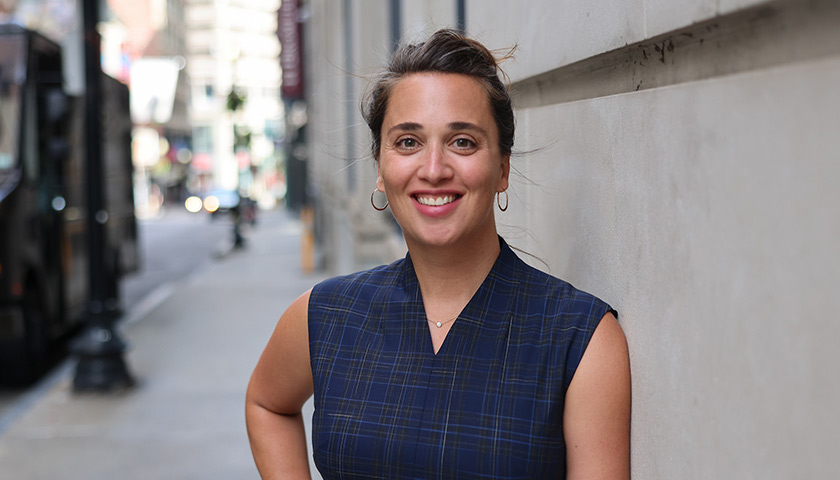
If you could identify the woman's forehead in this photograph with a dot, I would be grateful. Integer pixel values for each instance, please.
(425, 99)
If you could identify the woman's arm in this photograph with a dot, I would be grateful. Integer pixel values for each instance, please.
(280, 384)
(596, 416)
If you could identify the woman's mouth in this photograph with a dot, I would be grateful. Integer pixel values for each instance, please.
(435, 201)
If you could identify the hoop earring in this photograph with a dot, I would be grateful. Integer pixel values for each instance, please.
(499, 201)
(374, 204)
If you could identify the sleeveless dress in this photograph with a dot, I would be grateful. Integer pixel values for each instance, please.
(489, 404)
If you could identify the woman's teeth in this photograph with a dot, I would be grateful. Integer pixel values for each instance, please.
(435, 201)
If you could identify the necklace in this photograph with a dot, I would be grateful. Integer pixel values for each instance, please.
(440, 324)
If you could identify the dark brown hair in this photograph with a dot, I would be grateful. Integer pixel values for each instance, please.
(446, 51)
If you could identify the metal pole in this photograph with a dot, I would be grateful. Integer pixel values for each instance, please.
(396, 24)
(100, 349)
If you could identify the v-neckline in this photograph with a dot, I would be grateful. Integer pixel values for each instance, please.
(418, 316)
(429, 327)
(467, 317)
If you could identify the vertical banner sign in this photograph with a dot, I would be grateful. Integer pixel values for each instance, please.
(291, 51)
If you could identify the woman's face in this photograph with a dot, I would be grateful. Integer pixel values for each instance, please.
(439, 162)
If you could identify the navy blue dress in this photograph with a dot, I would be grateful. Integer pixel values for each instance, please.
(489, 404)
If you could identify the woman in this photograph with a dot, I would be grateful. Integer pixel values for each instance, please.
(459, 361)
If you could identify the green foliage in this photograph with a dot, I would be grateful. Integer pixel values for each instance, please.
(241, 137)
(235, 100)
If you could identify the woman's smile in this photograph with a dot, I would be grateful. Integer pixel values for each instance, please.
(436, 205)
(435, 201)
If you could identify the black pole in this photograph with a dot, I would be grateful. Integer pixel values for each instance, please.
(461, 15)
(100, 350)
(396, 24)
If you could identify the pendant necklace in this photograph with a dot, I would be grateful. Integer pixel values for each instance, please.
(441, 324)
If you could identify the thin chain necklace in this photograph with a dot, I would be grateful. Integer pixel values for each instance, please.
(441, 324)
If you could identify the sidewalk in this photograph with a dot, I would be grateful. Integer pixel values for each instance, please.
(192, 352)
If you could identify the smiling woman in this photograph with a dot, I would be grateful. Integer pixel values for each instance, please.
(458, 361)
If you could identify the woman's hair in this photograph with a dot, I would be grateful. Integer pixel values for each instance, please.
(446, 51)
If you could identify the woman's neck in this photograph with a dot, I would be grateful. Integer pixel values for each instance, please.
(450, 276)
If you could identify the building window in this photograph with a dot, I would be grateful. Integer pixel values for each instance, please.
(203, 139)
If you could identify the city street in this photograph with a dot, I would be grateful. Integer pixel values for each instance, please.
(174, 245)
(196, 320)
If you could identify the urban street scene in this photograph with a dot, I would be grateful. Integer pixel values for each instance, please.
(419, 239)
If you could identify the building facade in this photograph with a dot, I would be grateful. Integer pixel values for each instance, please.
(679, 159)
(233, 62)
(143, 45)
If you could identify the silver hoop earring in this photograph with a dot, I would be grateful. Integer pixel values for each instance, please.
(499, 201)
(374, 204)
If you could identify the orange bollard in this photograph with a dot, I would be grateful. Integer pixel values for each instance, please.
(307, 241)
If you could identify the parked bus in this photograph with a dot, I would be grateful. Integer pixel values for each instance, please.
(44, 257)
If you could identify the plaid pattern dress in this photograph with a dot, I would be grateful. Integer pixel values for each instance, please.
(489, 404)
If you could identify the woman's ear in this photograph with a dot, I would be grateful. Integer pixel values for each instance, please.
(380, 185)
(503, 180)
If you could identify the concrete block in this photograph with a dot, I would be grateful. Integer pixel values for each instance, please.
(663, 16)
(554, 33)
(729, 6)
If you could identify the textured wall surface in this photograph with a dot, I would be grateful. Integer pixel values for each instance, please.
(555, 33)
(707, 214)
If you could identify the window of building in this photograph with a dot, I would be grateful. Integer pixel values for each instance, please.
(203, 139)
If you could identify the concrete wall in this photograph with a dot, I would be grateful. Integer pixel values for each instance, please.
(707, 214)
(683, 161)
(554, 33)
(346, 42)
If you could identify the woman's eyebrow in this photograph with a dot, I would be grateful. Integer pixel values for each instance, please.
(414, 126)
(467, 126)
(406, 126)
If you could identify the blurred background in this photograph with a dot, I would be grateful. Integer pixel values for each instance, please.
(679, 158)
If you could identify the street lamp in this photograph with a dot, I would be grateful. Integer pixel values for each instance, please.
(100, 349)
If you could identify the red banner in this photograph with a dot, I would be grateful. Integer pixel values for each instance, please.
(291, 53)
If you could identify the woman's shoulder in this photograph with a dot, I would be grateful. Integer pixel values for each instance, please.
(547, 289)
(353, 296)
(372, 278)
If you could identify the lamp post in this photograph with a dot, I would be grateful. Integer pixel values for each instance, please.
(101, 366)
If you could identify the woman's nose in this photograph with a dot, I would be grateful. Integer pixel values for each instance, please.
(435, 165)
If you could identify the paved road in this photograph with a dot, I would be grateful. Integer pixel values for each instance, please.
(174, 246)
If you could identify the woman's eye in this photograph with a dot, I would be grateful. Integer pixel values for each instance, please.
(407, 143)
(463, 143)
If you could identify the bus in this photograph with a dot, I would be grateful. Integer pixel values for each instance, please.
(44, 255)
